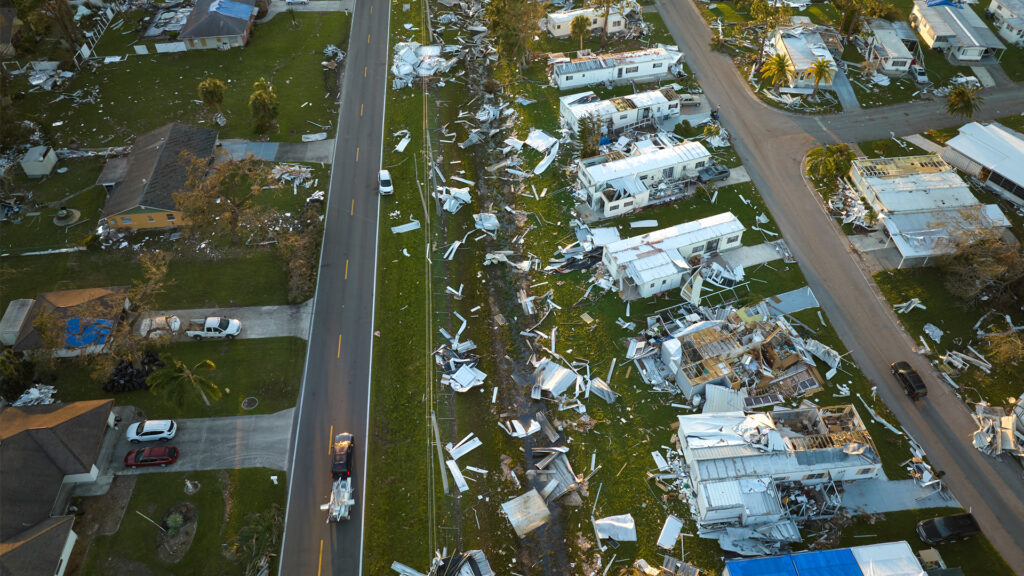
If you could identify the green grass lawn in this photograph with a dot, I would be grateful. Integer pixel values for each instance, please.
(269, 369)
(888, 148)
(727, 12)
(119, 42)
(871, 95)
(127, 106)
(956, 319)
(223, 501)
(250, 278)
(1015, 122)
(975, 556)
(81, 174)
(38, 232)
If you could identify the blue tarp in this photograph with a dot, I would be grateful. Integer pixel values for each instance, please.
(768, 566)
(826, 563)
(232, 9)
(819, 563)
(87, 332)
(942, 3)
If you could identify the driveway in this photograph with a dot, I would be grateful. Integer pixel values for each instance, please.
(321, 151)
(252, 441)
(279, 6)
(257, 321)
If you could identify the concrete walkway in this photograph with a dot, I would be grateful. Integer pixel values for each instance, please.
(253, 441)
(279, 6)
(747, 256)
(844, 91)
(321, 151)
(922, 142)
(737, 175)
(257, 321)
(883, 495)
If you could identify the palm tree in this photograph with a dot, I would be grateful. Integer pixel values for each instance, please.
(712, 130)
(963, 101)
(263, 104)
(211, 92)
(178, 381)
(821, 70)
(829, 161)
(580, 28)
(606, 5)
(778, 70)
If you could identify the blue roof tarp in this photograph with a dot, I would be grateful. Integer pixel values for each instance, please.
(232, 9)
(81, 332)
(826, 563)
(767, 566)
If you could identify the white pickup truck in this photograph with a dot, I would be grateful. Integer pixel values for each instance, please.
(213, 327)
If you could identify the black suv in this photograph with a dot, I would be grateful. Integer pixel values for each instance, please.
(911, 380)
(947, 528)
(341, 456)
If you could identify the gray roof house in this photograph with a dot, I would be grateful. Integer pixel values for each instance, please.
(155, 171)
(42, 449)
(219, 24)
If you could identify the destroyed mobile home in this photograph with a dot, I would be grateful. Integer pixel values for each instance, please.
(752, 479)
(622, 17)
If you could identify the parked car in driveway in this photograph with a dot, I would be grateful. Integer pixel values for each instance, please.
(712, 173)
(917, 74)
(910, 379)
(342, 452)
(152, 456)
(213, 327)
(947, 528)
(150, 430)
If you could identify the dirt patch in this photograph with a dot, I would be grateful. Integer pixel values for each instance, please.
(173, 544)
(100, 515)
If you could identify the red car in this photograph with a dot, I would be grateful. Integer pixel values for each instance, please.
(152, 456)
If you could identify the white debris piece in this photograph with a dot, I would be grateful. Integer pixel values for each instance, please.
(467, 445)
(486, 221)
(460, 480)
(526, 512)
(933, 331)
(540, 140)
(620, 528)
(464, 378)
(403, 228)
(670, 532)
(38, 394)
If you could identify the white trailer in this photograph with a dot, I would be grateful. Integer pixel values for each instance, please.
(342, 500)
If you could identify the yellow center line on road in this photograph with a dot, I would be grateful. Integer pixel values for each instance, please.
(371, 8)
(360, 110)
(353, 209)
(320, 562)
(364, 71)
(367, 38)
(339, 345)
(346, 272)
(330, 438)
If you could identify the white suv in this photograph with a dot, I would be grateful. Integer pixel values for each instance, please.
(384, 183)
(149, 430)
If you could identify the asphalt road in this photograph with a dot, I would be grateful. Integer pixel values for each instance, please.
(772, 145)
(335, 389)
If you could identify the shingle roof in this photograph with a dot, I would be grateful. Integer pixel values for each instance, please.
(214, 18)
(155, 168)
(36, 551)
(63, 305)
(39, 445)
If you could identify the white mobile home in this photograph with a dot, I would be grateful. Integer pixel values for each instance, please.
(614, 183)
(993, 154)
(645, 265)
(624, 112)
(559, 24)
(638, 66)
(1008, 16)
(803, 47)
(890, 46)
(955, 30)
(923, 204)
